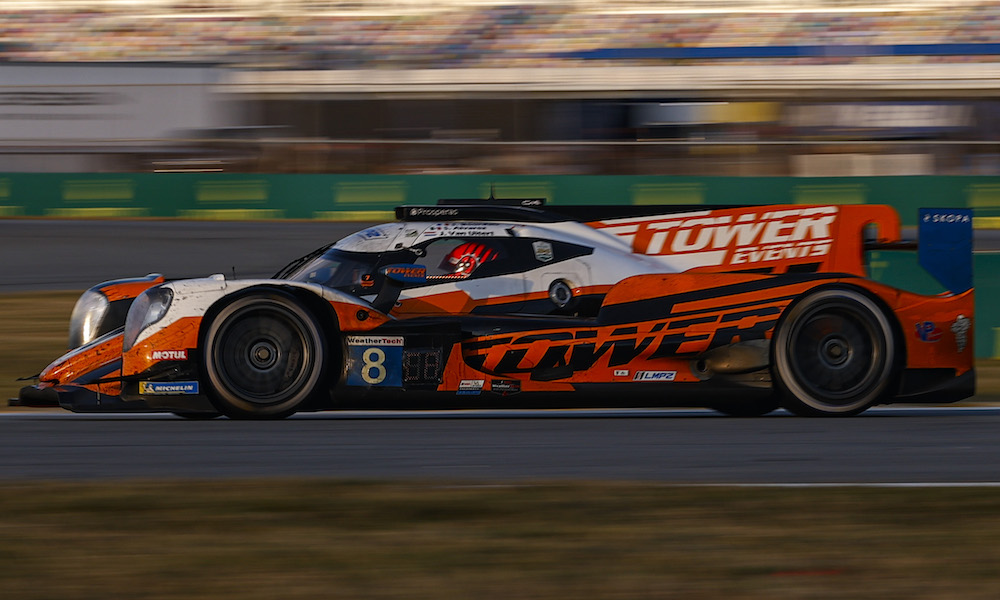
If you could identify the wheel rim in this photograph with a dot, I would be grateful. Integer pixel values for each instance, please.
(835, 354)
(263, 355)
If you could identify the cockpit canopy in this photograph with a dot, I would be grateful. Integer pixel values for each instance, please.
(445, 257)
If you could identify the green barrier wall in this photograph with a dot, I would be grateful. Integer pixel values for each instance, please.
(252, 196)
(218, 196)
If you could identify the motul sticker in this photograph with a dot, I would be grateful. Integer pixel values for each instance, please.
(169, 355)
(654, 375)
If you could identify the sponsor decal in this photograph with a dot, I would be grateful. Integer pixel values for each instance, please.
(928, 331)
(433, 212)
(654, 375)
(961, 328)
(373, 233)
(471, 387)
(616, 347)
(406, 273)
(168, 388)
(375, 340)
(947, 218)
(733, 239)
(543, 251)
(169, 355)
(945, 249)
(505, 386)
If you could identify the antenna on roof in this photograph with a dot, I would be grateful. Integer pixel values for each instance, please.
(492, 197)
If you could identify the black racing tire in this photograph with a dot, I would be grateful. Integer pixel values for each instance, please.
(263, 356)
(753, 407)
(835, 354)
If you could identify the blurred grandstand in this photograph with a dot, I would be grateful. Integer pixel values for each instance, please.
(740, 87)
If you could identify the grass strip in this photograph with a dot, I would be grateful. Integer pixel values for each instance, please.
(311, 539)
(34, 330)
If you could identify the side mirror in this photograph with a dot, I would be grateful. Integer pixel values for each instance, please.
(396, 276)
(405, 273)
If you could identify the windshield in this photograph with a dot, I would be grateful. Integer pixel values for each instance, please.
(337, 269)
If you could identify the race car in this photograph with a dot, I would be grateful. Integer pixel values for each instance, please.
(515, 304)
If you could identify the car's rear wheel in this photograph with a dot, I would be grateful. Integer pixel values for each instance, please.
(835, 354)
(264, 356)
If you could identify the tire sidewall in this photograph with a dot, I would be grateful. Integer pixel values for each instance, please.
(229, 402)
(800, 398)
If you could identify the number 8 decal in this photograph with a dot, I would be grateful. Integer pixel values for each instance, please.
(373, 364)
(375, 360)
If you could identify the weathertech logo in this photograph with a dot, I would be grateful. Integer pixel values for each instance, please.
(708, 238)
(169, 355)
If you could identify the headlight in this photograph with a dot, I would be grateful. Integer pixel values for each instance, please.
(148, 308)
(85, 322)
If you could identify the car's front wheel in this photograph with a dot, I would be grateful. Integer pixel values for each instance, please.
(264, 356)
(835, 354)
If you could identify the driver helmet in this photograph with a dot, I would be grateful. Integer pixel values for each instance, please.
(466, 258)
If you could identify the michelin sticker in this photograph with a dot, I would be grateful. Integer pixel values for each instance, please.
(375, 360)
(168, 388)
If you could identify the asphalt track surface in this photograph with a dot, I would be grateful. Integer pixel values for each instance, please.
(896, 446)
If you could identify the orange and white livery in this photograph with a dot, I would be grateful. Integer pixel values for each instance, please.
(743, 309)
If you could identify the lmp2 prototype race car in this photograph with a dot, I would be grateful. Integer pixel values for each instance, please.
(512, 304)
